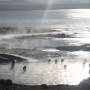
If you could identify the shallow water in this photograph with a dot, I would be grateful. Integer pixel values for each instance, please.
(47, 73)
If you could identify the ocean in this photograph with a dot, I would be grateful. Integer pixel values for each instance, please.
(43, 35)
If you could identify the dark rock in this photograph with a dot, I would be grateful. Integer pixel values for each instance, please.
(44, 86)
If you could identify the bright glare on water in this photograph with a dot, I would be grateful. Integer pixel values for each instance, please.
(79, 14)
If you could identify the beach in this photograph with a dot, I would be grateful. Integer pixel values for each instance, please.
(52, 71)
(55, 55)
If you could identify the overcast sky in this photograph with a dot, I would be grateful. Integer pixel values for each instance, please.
(42, 4)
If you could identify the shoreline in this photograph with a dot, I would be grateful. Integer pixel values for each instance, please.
(46, 87)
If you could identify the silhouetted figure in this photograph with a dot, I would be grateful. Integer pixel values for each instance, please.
(89, 71)
(62, 60)
(55, 61)
(89, 65)
(65, 66)
(12, 64)
(24, 68)
(49, 60)
(84, 63)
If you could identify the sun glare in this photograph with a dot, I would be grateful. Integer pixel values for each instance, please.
(79, 13)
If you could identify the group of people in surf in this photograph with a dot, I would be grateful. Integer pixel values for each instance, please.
(13, 65)
(65, 66)
(24, 68)
(56, 61)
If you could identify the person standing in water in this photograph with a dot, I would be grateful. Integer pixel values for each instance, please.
(24, 68)
(89, 65)
(12, 64)
(55, 61)
(49, 60)
(62, 60)
(84, 63)
(65, 66)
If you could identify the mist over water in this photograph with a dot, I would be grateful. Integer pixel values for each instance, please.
(74, 22)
